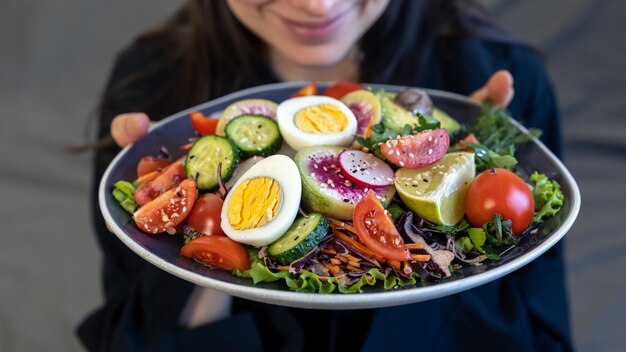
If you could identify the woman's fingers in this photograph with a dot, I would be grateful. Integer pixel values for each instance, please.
(129, 128)
(499, 89)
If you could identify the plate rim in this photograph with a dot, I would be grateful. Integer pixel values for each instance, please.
(341, 301)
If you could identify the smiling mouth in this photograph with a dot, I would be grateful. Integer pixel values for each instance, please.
(315, 30)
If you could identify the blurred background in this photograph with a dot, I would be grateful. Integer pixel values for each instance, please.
(54, 61)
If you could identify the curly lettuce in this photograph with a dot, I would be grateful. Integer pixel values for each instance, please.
(311, 283)
(548, 196)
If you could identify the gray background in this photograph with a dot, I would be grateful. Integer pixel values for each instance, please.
(55, 58)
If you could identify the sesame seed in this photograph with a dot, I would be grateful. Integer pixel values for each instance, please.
(430, 151)
(401, 163)
(430, 138)
(411, 155)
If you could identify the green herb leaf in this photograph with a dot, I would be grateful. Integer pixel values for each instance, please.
(123, 192)
(547, 195)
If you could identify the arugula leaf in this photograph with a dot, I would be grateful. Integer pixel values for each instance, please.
(498, 138)
(478, 237)
(499, 231)
(463, 245)
(454, 228)
(395, 209)
(547, 195)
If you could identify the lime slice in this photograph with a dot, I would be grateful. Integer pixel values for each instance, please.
(437, 192)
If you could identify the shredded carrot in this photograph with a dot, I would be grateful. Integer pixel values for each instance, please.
(420, 257)
(334, 269)
(414, 246)
(353, 258)
(354, 243)
(342, 225)
(148, 177)
(353, 268)
(394, 263)
(335, 261)
(330, 251)
(354, 264)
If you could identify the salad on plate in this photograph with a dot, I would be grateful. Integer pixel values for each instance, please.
(330, 191)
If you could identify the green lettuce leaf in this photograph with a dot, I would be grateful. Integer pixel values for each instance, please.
(548, 196)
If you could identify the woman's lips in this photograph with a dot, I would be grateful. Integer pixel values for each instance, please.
(315, 30)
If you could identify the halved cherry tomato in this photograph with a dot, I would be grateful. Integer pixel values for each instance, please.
(419, 150)
(203, 125)
(376, 230)
(167, 210)
(147, 164)
(217, 251)
(168, 178)
(206, 215)
(470, 138)
(339, 89)
(309, 89)
(500, 191)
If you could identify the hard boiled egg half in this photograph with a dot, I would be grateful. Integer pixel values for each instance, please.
(264, 202)
(315, 120)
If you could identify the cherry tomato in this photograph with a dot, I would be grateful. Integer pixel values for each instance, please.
(503, 192)
(419, 150)
(217, 251)
(167, 210)
(376, 229)
(309, 89)
(206, 216)
(203, 125)
(168, 178)
(339, 89)
(147, 164)
(470, 138)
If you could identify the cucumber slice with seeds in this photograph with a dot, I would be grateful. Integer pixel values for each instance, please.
(304, 234)
(254, 135)
(204, 157)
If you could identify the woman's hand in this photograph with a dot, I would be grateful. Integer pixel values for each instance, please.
(129, 128)
(499, 89)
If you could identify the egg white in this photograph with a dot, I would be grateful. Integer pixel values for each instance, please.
(299, 139)
(284, 171)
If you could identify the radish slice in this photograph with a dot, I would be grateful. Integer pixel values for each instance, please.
(365, 169)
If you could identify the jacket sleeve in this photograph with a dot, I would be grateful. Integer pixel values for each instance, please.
(526, 310)
(142, 303)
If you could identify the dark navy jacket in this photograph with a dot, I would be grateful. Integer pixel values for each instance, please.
(524, 311)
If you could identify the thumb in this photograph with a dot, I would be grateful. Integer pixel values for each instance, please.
(129, 128)
(499, 89)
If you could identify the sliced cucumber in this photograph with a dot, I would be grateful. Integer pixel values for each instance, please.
(304, 234)
(254, 135)
(204, 157)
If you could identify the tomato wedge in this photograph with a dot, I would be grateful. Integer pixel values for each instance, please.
(203, 124)
(167, 210)
(168, 178)
(470, 138)
(309, 89)
(206, 215)
(147, 164)
(217, 251)
(339, 89)
(419, 150)
(376, 230)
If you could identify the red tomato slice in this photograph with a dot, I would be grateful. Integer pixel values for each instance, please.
(419, 150)
(167, 210)
(217, 251)
(500, 191)
(147, 164)
(339, 89)
(376, 230)
(309, 89)
(206, 215)
(168, 178)
(470, 138)
(203, 125)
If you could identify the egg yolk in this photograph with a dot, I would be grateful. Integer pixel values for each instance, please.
(254, 203)
(323, 118)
